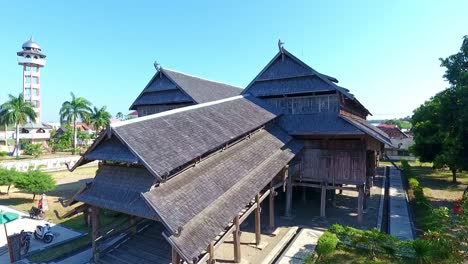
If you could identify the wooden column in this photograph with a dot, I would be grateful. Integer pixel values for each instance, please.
(175, 256)
(237, 249)
(258, 227)
(288, 192)
(323, 199)
(95, 232)
(360, 202)
(211, 259)
(272, 208)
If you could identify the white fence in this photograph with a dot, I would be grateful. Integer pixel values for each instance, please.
(48, 164)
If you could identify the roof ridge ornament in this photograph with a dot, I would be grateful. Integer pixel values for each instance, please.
(157, 66)
(281, 48)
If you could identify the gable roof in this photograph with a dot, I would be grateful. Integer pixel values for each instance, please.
(367, 128)
(172, 87)
(185, 134)
(392, 131)
(193, 205)
(285, 74)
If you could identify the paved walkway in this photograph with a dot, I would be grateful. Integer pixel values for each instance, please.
(399, 219)
(303, 246)
(25, 223)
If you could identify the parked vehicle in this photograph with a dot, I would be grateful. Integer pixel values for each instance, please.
(25, 241)
(43, 233)
(36, 213)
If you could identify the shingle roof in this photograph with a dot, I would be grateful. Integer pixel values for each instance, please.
(169, 87)
(119, 188)
(113, 150)
(392, 132)
(367, 128)
(285, 74)
(185, 134)
(204, 199)
(317, 124)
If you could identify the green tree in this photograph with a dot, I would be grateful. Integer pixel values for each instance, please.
(32, 149)
(441, 124)
(17, 111)
(70, 111)
(35, 181)
(99, 118)
(120, 116)
(8, 177)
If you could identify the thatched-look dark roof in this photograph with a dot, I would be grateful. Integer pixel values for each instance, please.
(287, 75)
(163, 142)
(369, 129)
(204, 199)
(171, 87)
(119, 188)
(113, 150)
(325, 123)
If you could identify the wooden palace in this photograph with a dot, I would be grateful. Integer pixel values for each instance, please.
(204, 155)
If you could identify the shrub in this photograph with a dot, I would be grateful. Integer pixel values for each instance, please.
(35, 181)
(404, 163)
(422, 251)
(3, 153)
(33, 149)
(326, 244)
(413, 183)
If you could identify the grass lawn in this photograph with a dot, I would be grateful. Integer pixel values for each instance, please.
(349, 255)
(67, 184)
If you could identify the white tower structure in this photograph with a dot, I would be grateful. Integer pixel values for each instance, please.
(32, 60)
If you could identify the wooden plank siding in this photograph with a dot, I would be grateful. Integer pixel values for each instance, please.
(306, 104)
(334, 161)
(144, 110)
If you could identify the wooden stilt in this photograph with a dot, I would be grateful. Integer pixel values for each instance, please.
(237, 250)
(175, 256)
(258, 228)
(95, 232)
(333, 197)
(304, 195)
(211, 259)
(323, 200)
(272, 208)
(288, 193)
(360, 203)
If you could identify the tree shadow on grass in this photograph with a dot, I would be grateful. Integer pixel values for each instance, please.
(14, 201)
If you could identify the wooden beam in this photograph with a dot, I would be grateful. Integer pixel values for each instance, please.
(272, 208)
(133, 229)
(95, 232)
(288, 192)
(175, 256)
(237, 249)
(360, 203)
(258, 227)
(329, 187)
(210, 250)
(323, 200)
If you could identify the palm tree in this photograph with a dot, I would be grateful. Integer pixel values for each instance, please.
(4, 122)
(99, 118)
(78, 107)
(17, 111)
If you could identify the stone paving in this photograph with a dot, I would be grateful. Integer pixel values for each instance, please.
(303, 246)
(399, 219)
(27, 224)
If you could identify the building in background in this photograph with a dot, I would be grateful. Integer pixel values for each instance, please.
(401, 143)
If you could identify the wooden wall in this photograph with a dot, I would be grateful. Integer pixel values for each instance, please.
(306, 104)
(335, 161)
(144, 110)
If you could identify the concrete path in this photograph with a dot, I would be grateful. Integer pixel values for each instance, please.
(27, 224)
(303, 246)
(399, 219)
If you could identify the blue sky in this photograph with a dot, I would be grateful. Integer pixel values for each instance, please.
(385, 52)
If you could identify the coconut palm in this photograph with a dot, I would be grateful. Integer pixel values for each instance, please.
(70, 111)
(4, 123)
(17, 111)
(99, 118)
